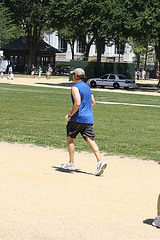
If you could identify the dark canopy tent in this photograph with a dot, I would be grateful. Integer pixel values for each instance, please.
(17, 53)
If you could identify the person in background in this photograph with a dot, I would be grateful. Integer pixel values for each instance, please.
(138, 74)
(1, 74)
(33, 70)
(12, 76)
(10, 71)
(39, 72)
(143, 74)
(49, 72)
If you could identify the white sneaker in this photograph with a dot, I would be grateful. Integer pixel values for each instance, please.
(100, 168)
(156, 222)
(68, 166)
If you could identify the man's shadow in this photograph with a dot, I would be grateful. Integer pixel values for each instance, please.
(148, 221)
(60, 169)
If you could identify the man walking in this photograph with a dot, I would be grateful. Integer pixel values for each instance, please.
(80, 120)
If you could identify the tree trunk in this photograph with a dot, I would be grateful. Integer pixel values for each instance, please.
(86, 54)
(72, 50)
(71, 43)
(145, 62)
(99, 43)
(99, 51)
(31, 59)
(138, 60)
(33, 37)
(155, 67)
(157, 51)
(146, 56)
(88, 46)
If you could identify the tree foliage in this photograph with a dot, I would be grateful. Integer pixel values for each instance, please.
(102, 21)
(31, 14)
(144, 22)
(8, 30)
(85, 17)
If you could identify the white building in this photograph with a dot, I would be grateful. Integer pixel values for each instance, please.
(111, 53)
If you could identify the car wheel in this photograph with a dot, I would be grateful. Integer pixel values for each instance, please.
(116, 85)
(93, 84)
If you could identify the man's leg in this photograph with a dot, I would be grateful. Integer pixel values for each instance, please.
(101, 165)
(94, 147)
(156, 222)
(71, 148)
(158, 206)
(70, 165)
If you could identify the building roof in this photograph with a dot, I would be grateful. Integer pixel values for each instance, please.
(21, 44)
(45, 47)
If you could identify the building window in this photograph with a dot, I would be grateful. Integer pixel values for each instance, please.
(21, 60)
(62, 44)
(81, 47)
(11, 58)
(119, 48)
(44, 60)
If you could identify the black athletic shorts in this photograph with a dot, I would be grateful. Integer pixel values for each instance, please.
(85, 129)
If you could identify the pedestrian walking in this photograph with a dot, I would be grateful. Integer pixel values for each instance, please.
(39, 72)
(12, 76)
(49, 72)
(33, 70)
(1, 74)
(143, 74)
(10, 72)
(80, 120)
(138, 74)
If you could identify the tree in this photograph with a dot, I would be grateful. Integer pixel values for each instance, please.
(99, 20)
(139, 48)
(67, 17)
(31, 15)
(143, 22)
(85, 17)
(88, 41)
(7, 26)
(69, 35)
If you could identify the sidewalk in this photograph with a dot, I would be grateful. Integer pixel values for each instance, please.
(29, 80)
(148, 81)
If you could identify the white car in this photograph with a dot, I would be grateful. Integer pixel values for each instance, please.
(114, 80)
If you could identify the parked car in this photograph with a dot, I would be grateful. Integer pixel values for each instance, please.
(114, 80)
(66, 69)
(63, 69)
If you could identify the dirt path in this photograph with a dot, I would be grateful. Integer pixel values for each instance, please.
(40, 201)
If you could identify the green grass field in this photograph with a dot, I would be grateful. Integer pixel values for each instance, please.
(36, 115)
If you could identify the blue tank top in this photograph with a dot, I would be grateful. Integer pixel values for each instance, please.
(84, 113)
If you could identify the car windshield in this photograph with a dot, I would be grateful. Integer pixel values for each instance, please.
(122, 77)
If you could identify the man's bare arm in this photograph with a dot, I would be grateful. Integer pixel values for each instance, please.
(93, 101)
(77, 102)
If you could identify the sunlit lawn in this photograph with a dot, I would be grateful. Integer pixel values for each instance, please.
(36, 115)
